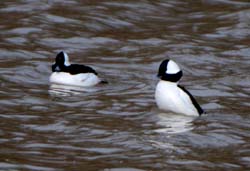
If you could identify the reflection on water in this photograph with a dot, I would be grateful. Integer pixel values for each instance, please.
(174, 123)
(67, 90)
(118, 127)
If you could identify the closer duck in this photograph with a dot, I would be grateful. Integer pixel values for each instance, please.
(170, 96)
(72, 74)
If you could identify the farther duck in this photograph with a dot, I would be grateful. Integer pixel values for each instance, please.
(72, 74)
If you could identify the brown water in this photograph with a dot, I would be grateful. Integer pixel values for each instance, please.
(117, 127)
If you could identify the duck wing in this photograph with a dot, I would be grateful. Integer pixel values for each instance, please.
(78, 69)
(197, 106)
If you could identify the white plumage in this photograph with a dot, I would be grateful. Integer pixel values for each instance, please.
(170, 96)
(82, 80)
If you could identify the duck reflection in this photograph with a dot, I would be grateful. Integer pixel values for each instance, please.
(174, 123)
(67, 90)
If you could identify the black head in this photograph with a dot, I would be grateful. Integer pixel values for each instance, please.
(61, 61)
(169, 71)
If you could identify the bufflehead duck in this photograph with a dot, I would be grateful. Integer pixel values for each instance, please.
(172, 97)
(72, 74)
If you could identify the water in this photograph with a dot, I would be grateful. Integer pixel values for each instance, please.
(117, 127)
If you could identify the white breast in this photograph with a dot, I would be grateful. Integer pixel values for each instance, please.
(82, 80)
(170, 97)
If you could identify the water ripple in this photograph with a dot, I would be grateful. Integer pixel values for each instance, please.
(117, 126)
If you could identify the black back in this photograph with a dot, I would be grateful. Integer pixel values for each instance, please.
(73, 69)
(168, 77)
(77, 69)
(197, 106)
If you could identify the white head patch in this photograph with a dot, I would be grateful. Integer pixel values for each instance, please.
(66, 58)
(172, 68)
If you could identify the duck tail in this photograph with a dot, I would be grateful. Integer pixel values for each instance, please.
(104, 82)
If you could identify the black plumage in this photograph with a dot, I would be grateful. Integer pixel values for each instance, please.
(77, 69)
(73, 69)
(195, 103)
(168, 77)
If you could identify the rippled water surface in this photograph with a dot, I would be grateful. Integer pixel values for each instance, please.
(117, 127)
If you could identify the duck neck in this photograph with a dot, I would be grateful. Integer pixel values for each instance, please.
(171, 77)
(169, 82)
